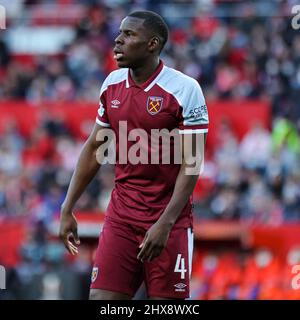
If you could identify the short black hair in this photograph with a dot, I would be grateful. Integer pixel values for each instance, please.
(153, 22)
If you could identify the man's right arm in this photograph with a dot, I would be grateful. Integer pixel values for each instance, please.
(86, 168)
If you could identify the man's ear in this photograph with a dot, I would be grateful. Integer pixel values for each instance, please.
(154, 44)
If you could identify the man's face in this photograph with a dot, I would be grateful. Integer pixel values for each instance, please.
(132, 44)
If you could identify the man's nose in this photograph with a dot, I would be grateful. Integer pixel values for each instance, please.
(119, 39)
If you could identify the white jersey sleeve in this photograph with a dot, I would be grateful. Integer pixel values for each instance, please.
(192, 113)
(102, 118)
(194, 109)
(113, 78)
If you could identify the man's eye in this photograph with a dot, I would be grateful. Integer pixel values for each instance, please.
(125, 33)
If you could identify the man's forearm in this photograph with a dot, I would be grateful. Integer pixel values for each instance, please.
(86, 168)
(193, 154)
(184, 188)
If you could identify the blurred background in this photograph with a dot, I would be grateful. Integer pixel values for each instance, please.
(54, 56)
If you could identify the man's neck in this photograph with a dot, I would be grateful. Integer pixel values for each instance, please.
(142, 74)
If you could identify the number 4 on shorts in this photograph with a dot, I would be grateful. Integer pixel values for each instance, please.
(180, 266)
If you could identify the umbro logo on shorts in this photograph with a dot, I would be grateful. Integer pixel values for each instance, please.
(94, 274)
(180, 287)
(115, 104)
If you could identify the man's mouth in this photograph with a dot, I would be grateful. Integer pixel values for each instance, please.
(118, 54)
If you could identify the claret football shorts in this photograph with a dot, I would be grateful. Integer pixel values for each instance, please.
(116, 267)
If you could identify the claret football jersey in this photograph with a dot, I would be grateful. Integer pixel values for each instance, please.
(168, 100)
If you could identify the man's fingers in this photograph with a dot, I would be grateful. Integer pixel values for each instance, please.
(69, 245)
(148, 252)
(66, 243)
(155, 253)
(151, 257)
(141, 253)
(75, 236)
(72, 248)
(144, 247)
(145, 252)
(143, 242)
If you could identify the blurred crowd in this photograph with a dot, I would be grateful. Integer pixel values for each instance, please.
(234, 49)
(35, 172)
(254, 55)
(256, 275)
(255, 180)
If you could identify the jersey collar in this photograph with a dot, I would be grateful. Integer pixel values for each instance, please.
(147, 85)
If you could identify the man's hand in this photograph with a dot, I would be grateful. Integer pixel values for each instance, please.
(154, 242)
(67, 230)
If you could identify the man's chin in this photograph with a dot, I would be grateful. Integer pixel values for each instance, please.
(122, 64)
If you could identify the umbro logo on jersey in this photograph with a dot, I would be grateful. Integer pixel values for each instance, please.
(154, 105)
(115, 104)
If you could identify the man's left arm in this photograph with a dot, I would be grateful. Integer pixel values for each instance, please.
(155, 240)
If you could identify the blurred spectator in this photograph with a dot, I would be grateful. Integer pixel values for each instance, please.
(285, 135)
(255, 148)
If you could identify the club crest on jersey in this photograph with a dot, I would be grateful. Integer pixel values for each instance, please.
(154, 104)
(94, 274)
